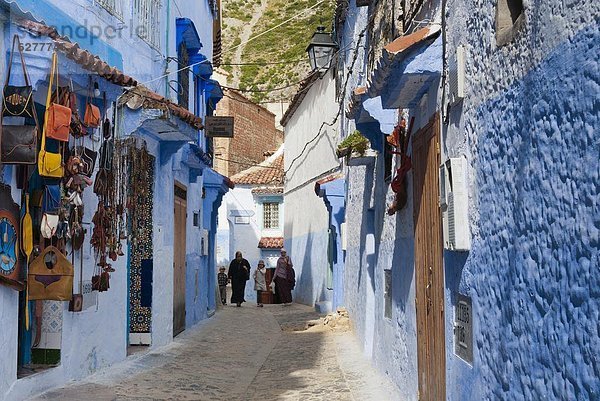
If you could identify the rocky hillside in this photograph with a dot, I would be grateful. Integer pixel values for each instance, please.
(278, 58)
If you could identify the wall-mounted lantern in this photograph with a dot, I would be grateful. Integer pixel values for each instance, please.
(321, 50)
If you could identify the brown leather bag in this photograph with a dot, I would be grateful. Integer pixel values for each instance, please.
(50, 276)
(92, 116)
(18, 143)
(58, 116)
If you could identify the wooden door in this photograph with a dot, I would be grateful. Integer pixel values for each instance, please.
(179, 262)
(429, 274)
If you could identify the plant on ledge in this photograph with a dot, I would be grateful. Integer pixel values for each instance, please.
(353, 143)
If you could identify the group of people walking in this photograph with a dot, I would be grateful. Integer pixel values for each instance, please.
(284, 279)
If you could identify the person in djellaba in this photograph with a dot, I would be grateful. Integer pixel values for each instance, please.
(239, 273)
(285, 278)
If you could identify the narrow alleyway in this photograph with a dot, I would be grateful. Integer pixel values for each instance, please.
(246, 353)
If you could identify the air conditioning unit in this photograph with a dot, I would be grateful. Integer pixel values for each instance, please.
(454, 203)
(204, 242)
(344, 235)
(456, 76)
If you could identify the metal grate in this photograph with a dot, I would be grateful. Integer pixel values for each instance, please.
(271, 215)
(146, 14)
(114, 7)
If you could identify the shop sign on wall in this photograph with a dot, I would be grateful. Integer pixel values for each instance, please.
(218, 126)
(463, 328)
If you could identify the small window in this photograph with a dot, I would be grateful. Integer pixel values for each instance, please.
(507, 20)
(271, 215)
(387, 294)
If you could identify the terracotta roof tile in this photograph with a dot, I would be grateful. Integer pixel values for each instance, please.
(271, 242)
(87, 60)
(268, 191)
(269, 172)
(152, 100)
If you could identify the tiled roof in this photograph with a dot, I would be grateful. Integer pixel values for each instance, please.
(392, 59)
(355, 101)
(84, 58)
(271, 242)
(152, 100)
(269, 172)
(267, 191)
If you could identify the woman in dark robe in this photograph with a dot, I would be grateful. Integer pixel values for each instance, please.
(283, 278)
(239, 273)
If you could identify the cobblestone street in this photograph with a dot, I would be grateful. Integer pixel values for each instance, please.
(247, 353)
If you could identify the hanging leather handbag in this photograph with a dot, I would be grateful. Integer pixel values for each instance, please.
(17, 101)
(91, 119)
(18, 143)
(92, 116)
(77, 129)
(101, 184)
(106, 129)
(49, 164)
(51, 201)
(106, 154)
(49, 225)
(50, 276)
(88, 159)
(101, 281)
(58, 123)
(11, 273)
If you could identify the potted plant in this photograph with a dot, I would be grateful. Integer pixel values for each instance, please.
(355, 143)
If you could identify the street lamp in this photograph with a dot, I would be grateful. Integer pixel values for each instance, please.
(321, 50)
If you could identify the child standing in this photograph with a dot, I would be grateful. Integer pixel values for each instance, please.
(260, 281)
(222, 280)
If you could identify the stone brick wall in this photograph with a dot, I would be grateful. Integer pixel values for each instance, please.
(254, 134)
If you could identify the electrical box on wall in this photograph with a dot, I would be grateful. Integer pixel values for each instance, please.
(204, 242)
(456, 75)
(344, 236)
(454, 202)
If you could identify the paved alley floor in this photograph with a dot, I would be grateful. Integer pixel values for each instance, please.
(246, 353)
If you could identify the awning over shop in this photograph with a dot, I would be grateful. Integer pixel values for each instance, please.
(407, 68)
(84, 58)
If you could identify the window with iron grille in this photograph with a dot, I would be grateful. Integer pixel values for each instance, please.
(271, 215)
(146, 15)
(183, 77)
(114, 7)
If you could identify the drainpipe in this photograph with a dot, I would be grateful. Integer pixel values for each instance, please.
(168, 60)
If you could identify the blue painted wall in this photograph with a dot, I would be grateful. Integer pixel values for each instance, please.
(533, 270)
